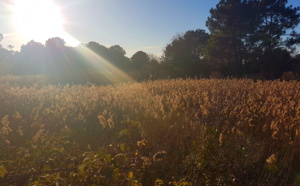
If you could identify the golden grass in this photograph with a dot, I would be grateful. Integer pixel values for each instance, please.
(213, 131)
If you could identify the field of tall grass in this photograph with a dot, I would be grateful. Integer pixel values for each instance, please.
(164, 132)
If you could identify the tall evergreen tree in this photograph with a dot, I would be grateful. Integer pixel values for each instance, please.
(276, 20)
(231, 23)
(242, 31)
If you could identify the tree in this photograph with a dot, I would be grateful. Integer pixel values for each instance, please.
(275, 62)
(3, 57)
(139, 60)
(31, 47)
(97, 48)
(114, 54)
(56, 56)
(10, 47)
(231, 25)
(1, 38)
(243, 31)
(276, 20)
(31, 58)
(117, 50)
(185, 52)
(275, 34)
(55, 43)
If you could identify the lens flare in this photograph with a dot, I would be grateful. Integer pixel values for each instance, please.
(37, 19)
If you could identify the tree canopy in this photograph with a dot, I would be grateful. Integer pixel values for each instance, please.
(246, 38)
(139, 59)
(244, 31)
(185, 51)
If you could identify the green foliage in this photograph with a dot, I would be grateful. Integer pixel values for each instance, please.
(231, 24)
(139, 60)
(244, 32)
(185, 52)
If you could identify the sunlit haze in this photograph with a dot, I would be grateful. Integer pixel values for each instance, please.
(134, 25)
(39, 20)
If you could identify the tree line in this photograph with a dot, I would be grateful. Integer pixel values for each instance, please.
(247, 38)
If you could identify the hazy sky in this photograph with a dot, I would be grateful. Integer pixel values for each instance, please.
(133, 24)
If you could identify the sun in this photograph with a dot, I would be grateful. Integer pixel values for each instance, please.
(38, 19)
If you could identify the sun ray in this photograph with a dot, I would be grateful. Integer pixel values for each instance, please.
(42, 19)
(104, 67)
(70, 40)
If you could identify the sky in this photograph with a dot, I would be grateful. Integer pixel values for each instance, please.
(133, 24)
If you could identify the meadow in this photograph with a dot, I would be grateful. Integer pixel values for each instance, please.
(163, 132)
